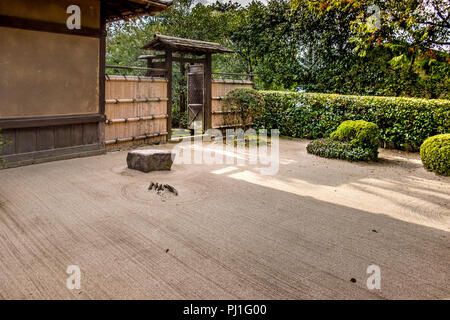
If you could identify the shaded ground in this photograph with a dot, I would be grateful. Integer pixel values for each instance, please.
(229, 233)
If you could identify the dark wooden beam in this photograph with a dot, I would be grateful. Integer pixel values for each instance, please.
(152, 56)
(102, 69)
(102, 73)
(16, 160)
(188, 60)
(149, 65)
(36, 25)
(36, 122)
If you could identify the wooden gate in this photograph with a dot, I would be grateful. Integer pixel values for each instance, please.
(136, 111)
(195, 96)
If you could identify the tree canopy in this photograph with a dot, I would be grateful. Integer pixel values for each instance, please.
(389, 47)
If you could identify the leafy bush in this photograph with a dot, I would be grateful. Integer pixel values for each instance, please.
(360, 134)
(245, 104)
(329, 148)
(404, 122)
(435, 154)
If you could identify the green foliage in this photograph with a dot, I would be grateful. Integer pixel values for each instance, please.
(385, 47)
(179, 119)
(435, 154)
(359, 133)
(404, 122)
(314, 45)
(265, 39)
(333, 149)
(245, 103)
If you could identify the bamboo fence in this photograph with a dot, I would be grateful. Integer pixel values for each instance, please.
(136, 111)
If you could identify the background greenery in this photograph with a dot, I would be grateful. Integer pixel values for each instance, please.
(318, 46)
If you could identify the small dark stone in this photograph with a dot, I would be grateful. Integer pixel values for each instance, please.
(167, 250)
(353, 280)
(373, 230)
(171, 189)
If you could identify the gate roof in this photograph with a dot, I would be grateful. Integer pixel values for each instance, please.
(163, 43)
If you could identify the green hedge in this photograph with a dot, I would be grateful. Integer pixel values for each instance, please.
(404, 122)
(435, 154)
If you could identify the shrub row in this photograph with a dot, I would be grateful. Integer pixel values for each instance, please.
(404, 122)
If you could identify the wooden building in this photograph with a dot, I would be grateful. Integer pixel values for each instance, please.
(52, 78)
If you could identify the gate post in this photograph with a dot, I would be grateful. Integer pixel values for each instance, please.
(208, 93)
(169, 93)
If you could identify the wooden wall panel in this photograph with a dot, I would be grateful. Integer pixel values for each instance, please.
(32, 145)
(47, 74)
(52, 10)
(46, 138)
(90, 133)
(26, 140)
(77, 135)
(62, 137)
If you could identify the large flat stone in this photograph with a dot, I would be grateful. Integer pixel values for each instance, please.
(150, 160)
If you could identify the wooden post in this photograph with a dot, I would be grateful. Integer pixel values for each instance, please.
(102, 77)
(207, 96)
(182, 85)
(169, 92)
(149, 65)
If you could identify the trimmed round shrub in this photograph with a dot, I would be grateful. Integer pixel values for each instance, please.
(359, 134)
(435, 154)
(329, 148)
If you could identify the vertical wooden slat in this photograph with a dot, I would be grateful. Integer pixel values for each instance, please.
(63, 136)
(26, 140)
(46, 138)
(102, 85)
